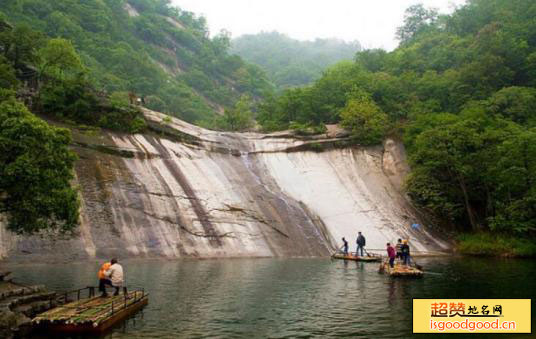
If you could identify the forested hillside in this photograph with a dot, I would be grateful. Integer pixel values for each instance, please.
(80, 63)
(36, 165)
(289, 62)
(147, 47)
(460, 90)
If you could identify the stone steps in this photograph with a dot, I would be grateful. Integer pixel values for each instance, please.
(19, 300)
(19, 304)
(11, 290)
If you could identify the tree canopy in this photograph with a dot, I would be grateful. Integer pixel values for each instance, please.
(148, 47)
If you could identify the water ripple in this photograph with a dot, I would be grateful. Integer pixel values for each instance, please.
(287, 298)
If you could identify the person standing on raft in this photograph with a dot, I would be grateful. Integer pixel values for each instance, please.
(360, 243)
(405, 252)
(345, 246)
(391, 254)
(399, 249)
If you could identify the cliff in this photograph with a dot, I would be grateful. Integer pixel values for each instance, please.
(183, 191)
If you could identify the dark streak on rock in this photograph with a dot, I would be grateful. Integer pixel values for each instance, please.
(187, 230)
(251, 214)
(169, 193)
(107, 149)
(172, 134)
(188, 190)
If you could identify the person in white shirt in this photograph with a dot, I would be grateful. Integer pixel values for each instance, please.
(115, 274)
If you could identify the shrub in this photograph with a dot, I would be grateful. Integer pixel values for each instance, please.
(498, 245)
(308, 128)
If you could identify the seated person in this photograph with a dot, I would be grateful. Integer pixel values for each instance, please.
(110, 274)
(115, 275)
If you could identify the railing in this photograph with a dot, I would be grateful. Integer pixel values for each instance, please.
(366, 254)
(121, 305)
(375, 255)
(116, 306)
(63, 298)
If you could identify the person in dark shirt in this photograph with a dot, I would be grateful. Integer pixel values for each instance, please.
(360, 244)
(345, 246)
(405, 252)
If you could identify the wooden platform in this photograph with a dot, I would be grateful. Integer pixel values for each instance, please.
(400, 270)
(91, 315)
(371, 258)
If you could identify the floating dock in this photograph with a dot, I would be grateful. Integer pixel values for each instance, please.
(369, 258)
(400, 270)
(91, 315)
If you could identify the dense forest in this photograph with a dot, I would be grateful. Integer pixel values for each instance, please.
(289, 62)
(149, 48)
(460, 91)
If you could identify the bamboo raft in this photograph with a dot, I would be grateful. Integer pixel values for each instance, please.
(353, 257)
(400, 270)
(91, 315)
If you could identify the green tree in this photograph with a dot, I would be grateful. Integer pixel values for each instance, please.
(36, 168)
(513, 174)
(58, 58)
(20, 45)
(239, 118)
(8, 79)
(366, 122)
(454, 156)
(373, 60)
(119, 99)
(515, 103)
(416, 20)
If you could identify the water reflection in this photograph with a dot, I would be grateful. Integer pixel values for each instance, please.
(282, 298)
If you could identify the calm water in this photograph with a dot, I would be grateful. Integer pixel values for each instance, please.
(283, 298)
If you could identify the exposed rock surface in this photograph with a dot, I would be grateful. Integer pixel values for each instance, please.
(183, 191)
(131, 10)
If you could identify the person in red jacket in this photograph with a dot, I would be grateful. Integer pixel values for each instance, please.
(391, 253)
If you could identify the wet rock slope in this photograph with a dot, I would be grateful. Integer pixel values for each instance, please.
(182, 191)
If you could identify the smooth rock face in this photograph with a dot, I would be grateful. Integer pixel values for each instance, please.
(182, 191)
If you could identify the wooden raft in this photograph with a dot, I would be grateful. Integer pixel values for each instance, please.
(350, 256)
(400, 270)
(91, 315)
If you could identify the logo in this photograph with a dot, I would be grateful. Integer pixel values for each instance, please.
(471, 316)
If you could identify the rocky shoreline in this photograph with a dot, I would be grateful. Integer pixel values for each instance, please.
(19, 304)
